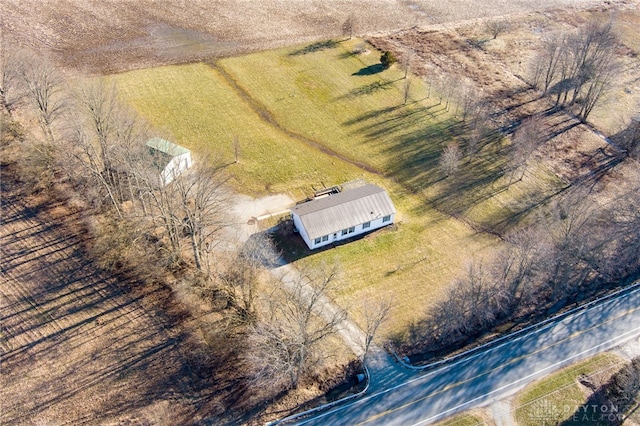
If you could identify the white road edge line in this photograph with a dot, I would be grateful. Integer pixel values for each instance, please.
(438, 370)
(439, 415)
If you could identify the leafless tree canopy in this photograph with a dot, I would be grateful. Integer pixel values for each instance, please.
(284, 343)
(527, 138)
(349, 26)
(472, 304)
(241, 276)
(11, 91)
(496, 27)
(376, 313)
(577, 68)
(450, 159)
(43, 87)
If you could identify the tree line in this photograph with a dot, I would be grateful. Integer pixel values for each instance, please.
(573, 249)
(578, 244)
(576, 69)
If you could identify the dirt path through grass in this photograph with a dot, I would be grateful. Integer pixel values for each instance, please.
(266, 116)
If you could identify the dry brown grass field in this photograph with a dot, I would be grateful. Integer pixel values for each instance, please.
(108, 36)
(82, 346)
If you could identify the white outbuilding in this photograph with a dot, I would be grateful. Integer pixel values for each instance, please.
(342, 215)
(171, 159)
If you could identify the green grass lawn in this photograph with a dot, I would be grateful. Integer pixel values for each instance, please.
(462, 420)
(319, 115)
(348, 104)
(409, 264)
(556, 397)
(194, 106)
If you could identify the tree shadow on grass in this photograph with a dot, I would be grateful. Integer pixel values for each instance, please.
(292, 247)
(612, 402)
(315, 47)
(370, 70)
(414, 161)
(367, 89)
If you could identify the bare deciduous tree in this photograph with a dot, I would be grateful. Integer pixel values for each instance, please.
(632, 140)
(406, 88)
(429, 80)
(407, 60)
(349, 25)
(515, 266)
(241, 276)
(10, 93)
(579, 67)
(375, 313)
(473, 139)
(450, 159)
(571, 235)
(284, 344)
(471, 305)
(546, 63)
(109, 143)
(201, 203)
(443, 86)
(467, 99)
(496, 27)
(44, 88)
(524, 142)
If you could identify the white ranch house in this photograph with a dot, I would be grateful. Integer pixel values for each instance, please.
(171, 159)
(334, 217)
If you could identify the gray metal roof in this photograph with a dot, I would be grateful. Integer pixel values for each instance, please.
(166, 147)
(349, 208)
(163, 151)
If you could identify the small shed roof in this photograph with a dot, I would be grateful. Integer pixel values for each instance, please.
(343, 210)
(167, 147)
(163, 152)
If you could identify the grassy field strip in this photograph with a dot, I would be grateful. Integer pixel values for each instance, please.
(194, 106)
(331, 96)
(266, 116)
(463, 420)
(556, 397)
(320, 95)
(509, 203)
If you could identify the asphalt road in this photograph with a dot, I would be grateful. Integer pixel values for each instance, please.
(495, 373)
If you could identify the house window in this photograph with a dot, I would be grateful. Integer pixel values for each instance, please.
(344, 232)
(366, 225)
(325, 238)
(317, 240)
(352, 229)
(386, 219)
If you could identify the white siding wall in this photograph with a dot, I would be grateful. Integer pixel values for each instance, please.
(303, 232)
(337, 236)
(176, 166)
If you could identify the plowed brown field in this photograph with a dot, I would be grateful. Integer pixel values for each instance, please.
(80, 345)
(115, 35)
